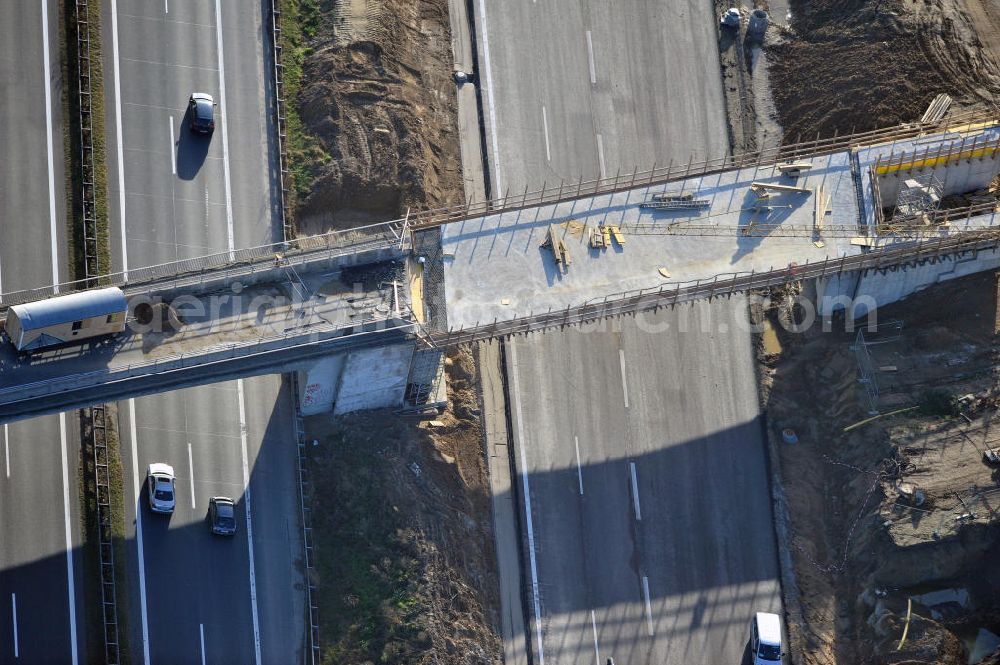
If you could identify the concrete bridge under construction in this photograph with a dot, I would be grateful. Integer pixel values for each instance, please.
(364, 314)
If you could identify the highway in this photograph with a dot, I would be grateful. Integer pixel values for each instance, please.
(653, 544)
(41, 609)
(584, 88)
(195, 598)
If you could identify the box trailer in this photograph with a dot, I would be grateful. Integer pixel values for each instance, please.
(66, 319)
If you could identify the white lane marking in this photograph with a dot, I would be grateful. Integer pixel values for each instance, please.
(246, 500)
(545, 126)
(138, 532)
(71, 581)
(621, 360)
(600, 157)
(635, 492)
(13, 609)
(590, 58)
(498, 192)
(191, 466)
(173, 146)
(166, 6)
(225, 141)
(201, 633)
(53, 229)
(120, 150)
(6, 447)
(579, 471)
(597, 649)
(649, 609)
(536, 600)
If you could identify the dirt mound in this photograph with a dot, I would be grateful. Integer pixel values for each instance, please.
(861, 64)
(378, 96)
(403, 530)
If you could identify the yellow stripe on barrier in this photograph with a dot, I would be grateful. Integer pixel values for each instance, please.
(937, 160)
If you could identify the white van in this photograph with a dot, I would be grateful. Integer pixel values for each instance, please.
(765, 638)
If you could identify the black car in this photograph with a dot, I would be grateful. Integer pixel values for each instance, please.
(222, 515)
(201, 113)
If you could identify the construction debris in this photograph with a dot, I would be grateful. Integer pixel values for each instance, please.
(937, 108)
(675, 202)
(553, 241)
(793, 169)
(601, 237)
(760, 187)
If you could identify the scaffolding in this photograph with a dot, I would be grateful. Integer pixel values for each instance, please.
(919, 196)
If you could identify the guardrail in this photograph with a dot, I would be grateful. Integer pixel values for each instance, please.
(206, 356)
(639, 300)
(279, 119)
(386, 235)
(677, 172)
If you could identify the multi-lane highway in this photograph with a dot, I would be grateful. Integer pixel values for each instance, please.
(640, 452)
(583, 88)
(196, 598)
(41, 613)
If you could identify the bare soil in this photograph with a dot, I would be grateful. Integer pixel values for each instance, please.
(378, 95)
(406, 570)
(861, 542)
(847, 65)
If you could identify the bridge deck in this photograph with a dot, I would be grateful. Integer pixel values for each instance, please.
(497, 259)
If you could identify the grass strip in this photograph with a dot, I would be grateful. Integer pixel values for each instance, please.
(301, 21)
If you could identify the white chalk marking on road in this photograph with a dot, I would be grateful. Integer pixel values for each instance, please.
(53, 227)
(649, 609)
(201, 634)
(590, 58)
(536, 601)
(498, 192)
(120, 142)
(6, 447)
(138, 531)
(166, 6)
(545, 126)
(191, 466)
(635, 492)
(173, 148)
(13, 609)
(70, 579)
(224, 119)
(621, 360)
(579, 471)
(600, 157)
(246, 501)
(597, 649)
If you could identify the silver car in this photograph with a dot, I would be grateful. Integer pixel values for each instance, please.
(160, 481)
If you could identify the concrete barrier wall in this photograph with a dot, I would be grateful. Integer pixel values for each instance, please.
(965, 175)
(880, 288)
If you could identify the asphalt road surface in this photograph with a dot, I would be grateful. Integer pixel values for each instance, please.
(577, 88)
(650, 511)
(175, 195)
(41, 613)
(654, 543)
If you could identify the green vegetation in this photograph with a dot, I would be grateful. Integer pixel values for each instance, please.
(91, 537)
(937, 402)
(301, 21)
(368, 562)
(72, 141)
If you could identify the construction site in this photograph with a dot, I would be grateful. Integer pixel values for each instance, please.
(877, 388)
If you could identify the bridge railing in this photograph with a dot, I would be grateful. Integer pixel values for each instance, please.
(727, 284)
(336, 243)
(552, 193)
(205, 357)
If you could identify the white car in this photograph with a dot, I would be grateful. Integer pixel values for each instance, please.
(765, 639)
(160, 479)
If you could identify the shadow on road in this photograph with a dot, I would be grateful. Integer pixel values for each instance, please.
(191, 150)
